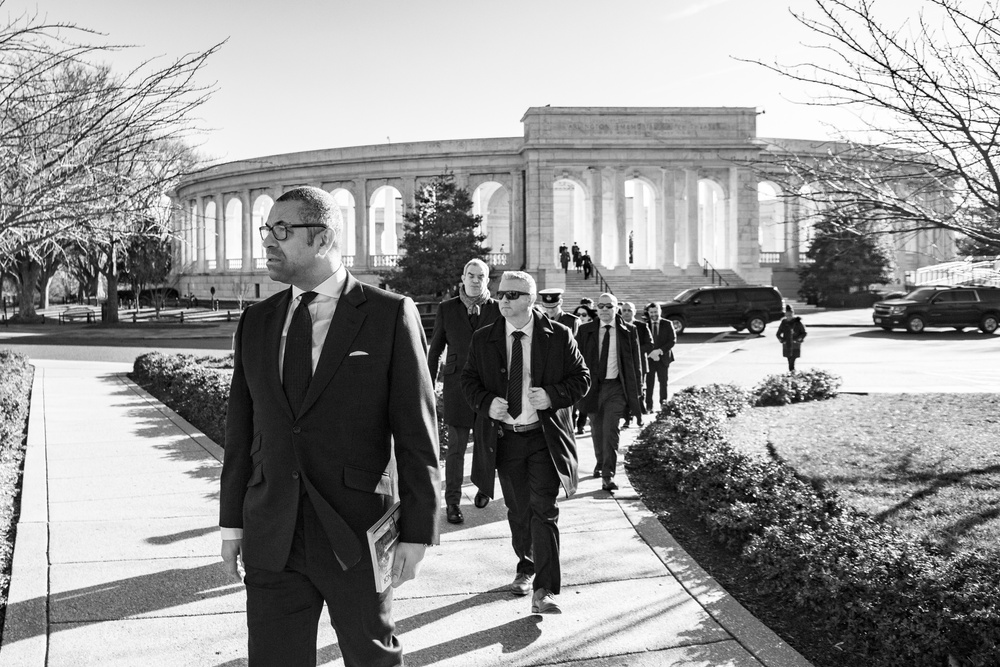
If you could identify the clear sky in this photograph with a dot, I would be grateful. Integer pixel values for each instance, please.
(308, 74)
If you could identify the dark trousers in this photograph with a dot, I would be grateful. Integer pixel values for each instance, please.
(283, 608)
(656, 373)
(605, 425)
(454, 463)
(530, 487)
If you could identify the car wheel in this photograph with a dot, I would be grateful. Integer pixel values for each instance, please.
(756, 324)
(677, 323)
(915, 324)
(988, 324)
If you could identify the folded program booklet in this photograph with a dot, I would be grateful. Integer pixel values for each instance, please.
(382, 540)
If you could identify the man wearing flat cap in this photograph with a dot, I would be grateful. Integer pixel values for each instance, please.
(551, 300)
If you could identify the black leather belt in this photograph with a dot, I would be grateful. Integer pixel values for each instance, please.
(520, 428)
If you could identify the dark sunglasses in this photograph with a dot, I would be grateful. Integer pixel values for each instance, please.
(606, 306)
(512, 294)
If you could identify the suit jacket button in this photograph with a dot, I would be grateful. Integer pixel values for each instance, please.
(296, 430)
(295, 474)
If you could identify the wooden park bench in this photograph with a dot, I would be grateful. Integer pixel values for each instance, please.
(77, 313)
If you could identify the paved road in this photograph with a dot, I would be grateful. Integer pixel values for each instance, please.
(867, 359)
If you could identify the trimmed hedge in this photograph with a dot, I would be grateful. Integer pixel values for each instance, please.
(891, 599)
(15, 393)
(197, 388)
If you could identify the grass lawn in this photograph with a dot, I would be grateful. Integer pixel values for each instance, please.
(929, 464)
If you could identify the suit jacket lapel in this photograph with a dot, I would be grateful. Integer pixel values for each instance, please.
(274, 321)
(344, 328)
(498, 338)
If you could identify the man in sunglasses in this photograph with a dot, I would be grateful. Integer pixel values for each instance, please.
(611, 350)
(330, 420)
(523, 375)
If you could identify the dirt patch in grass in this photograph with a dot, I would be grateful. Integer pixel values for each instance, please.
(929, 464)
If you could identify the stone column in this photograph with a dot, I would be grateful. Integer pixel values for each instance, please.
(791, 233)
(220, 232)
(621, 228)
(362, 258)
(597, 201)
(247, 246)
(199, 223)
(516, 254)
(691, 202)
(666, 257)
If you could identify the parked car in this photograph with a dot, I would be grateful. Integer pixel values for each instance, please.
(746, 307)
(942, 306)
(147, 296)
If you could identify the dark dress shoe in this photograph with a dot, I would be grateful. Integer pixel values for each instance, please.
(609, 485)
(579, 430)
(597, 472)
(455, 514)
(482, 500)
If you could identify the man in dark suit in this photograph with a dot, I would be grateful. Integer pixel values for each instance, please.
(642, 330)
(660, 353)
(610, 348)
(523, 375)
(551, 300)
(330, 420)
(456, 319)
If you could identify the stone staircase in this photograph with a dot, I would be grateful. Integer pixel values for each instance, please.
(641, 287)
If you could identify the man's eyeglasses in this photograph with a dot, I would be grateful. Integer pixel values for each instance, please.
(512, 294)
(280, 230)
(606, 306)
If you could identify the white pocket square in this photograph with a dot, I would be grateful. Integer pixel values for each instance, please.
(358, 353)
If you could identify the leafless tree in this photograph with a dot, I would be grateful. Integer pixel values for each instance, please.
(84, 152)
(927, 92)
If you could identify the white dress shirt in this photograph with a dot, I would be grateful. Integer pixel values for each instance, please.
(528, 414)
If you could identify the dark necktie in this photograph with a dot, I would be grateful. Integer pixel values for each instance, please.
(515, 376)
(297, 368)
(656, 329)
(605, 349)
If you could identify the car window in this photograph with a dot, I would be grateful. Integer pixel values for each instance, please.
(706, 298)
(921, 294)
(964, 295)
(686, 295)
(726, 297)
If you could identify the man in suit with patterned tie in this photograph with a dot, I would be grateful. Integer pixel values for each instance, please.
(610, 348)
(523, 375)
(330, 420)
(660, 352)
(456, 320)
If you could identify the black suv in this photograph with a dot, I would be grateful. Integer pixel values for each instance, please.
(739, 307)
(957, 307)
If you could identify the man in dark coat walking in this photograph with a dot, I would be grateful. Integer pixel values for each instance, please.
(660, 353)
(523, 375)
(457, 319)
(610, 348)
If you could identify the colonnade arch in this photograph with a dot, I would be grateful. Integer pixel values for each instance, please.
(385, 211)
(771, 215)
(233, 233)
(261, 209)
(213, 226)
(491, 200)
(348, 212)
(571, 217)
(641, 221)
(713, 241)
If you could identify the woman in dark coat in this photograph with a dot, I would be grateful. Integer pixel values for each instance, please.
(791, 333)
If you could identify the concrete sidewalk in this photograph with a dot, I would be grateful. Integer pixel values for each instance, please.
(117, 561)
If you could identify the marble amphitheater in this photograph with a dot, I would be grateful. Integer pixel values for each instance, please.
(656, 195)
